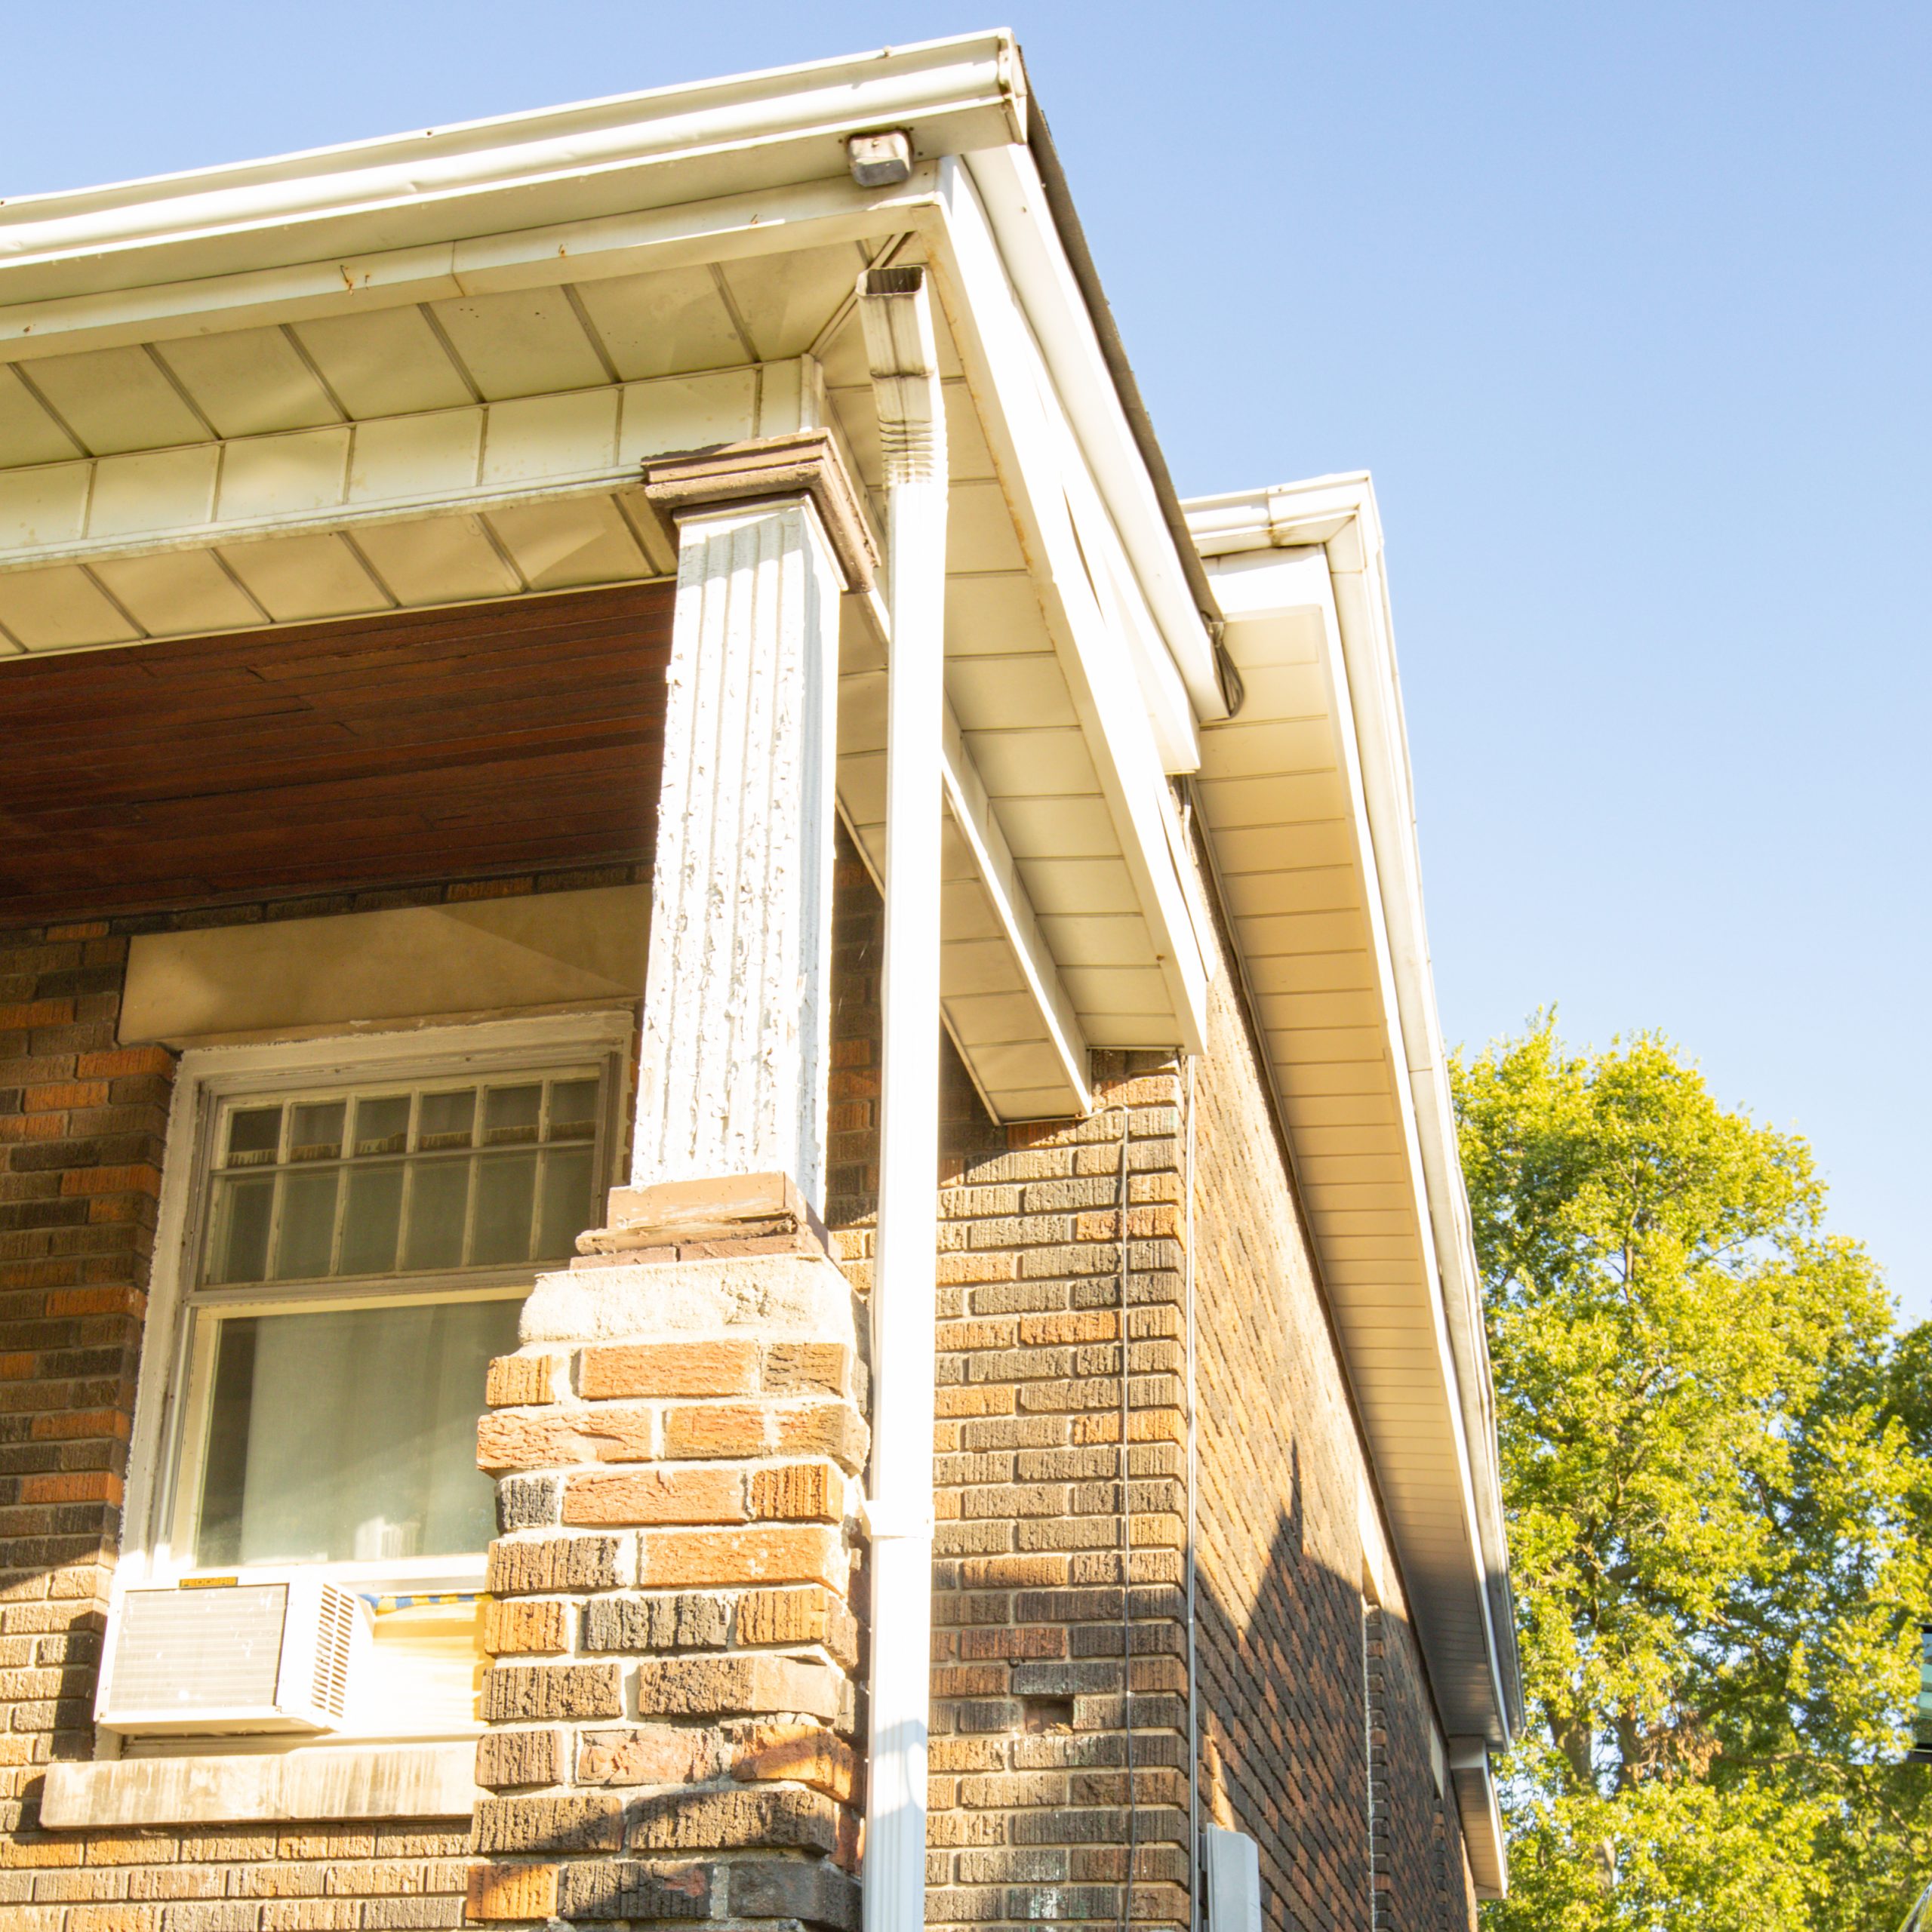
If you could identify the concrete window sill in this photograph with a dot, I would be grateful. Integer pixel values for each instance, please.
(385, 1781)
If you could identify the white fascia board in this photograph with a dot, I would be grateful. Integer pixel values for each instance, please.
(1033, 446)
(1485, 1843)
(1253, 584)
(622, 153)
(721, 228)
(1015, 202)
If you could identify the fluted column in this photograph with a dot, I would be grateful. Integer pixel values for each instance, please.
(732, 1079)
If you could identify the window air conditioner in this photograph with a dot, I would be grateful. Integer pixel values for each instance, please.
(275, 1654)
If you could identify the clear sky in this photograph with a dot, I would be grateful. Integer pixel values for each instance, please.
(1626, 306)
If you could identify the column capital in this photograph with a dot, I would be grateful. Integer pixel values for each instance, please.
(805, 462)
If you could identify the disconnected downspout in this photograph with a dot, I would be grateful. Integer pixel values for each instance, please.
(895, 310)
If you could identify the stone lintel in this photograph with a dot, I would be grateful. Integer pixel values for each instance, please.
(804, 463)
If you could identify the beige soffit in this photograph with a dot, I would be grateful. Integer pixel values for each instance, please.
(1287, 795)
(422, 962)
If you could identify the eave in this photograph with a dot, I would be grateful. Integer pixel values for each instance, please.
(1055, 942)
(1306, 803)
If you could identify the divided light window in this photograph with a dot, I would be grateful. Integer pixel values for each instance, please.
(364, 1251)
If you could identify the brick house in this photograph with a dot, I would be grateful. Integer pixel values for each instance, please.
(726, 1191)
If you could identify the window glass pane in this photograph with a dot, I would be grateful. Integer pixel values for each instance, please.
(243, 1210)
(315, 1131)
(391, 1395)
(253, 1135)
(446, 1120)
(307, 1232)
(567, 1207)
(573, 1109)
(438, 1203)
(382, 1124)
(511, 1113)
(371, 1221)
(506, 1189)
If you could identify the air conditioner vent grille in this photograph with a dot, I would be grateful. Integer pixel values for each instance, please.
(335, 1636)
(191, 1651)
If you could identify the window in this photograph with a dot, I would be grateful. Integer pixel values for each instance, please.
(349, 1229)
(359, 1250)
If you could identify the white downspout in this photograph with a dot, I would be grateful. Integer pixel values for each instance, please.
(895, 309)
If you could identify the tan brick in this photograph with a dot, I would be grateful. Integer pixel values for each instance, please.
(514, 1379)
(798, 1492)
(669, 1368)
(552, 1438)
(757, 1553)
(510, 1891)
(514, 1628)
(798, 1367)
(697, 1430)
(668, 1494)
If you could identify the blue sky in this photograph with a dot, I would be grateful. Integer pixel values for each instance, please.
(1626, 306)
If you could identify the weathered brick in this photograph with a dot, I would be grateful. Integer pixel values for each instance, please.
(689, 1621)
(649, 1754)
(626, 1888)
(525, 1568)
(514, 1379)
(709, 1821)
(697, 1430)
(514, 1693)
(812, 1892)
(506, 1759)
(797, 1753)
(578, 1823)
(706, 1686)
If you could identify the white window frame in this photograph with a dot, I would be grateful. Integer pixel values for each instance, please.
(162, 1462)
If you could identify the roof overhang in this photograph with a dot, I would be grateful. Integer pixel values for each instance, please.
(1306, 802)
(1071, 921)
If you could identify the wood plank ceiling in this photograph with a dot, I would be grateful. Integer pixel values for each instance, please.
(483, 740)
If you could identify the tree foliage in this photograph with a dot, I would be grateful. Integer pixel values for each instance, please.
(1715, 1462)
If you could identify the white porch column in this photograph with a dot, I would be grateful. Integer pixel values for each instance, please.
(737, 1013)
(894, 306)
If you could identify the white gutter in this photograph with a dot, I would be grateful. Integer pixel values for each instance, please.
(627, 152)
(895, 309)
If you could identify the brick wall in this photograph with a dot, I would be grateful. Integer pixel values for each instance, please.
(1284, 1672)
(81, 1125)
(1031, 1818)
(81, 1121)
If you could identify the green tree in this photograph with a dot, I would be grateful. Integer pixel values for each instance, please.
(1715, 1461)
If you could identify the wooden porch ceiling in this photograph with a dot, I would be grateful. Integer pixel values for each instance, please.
(368, 752)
